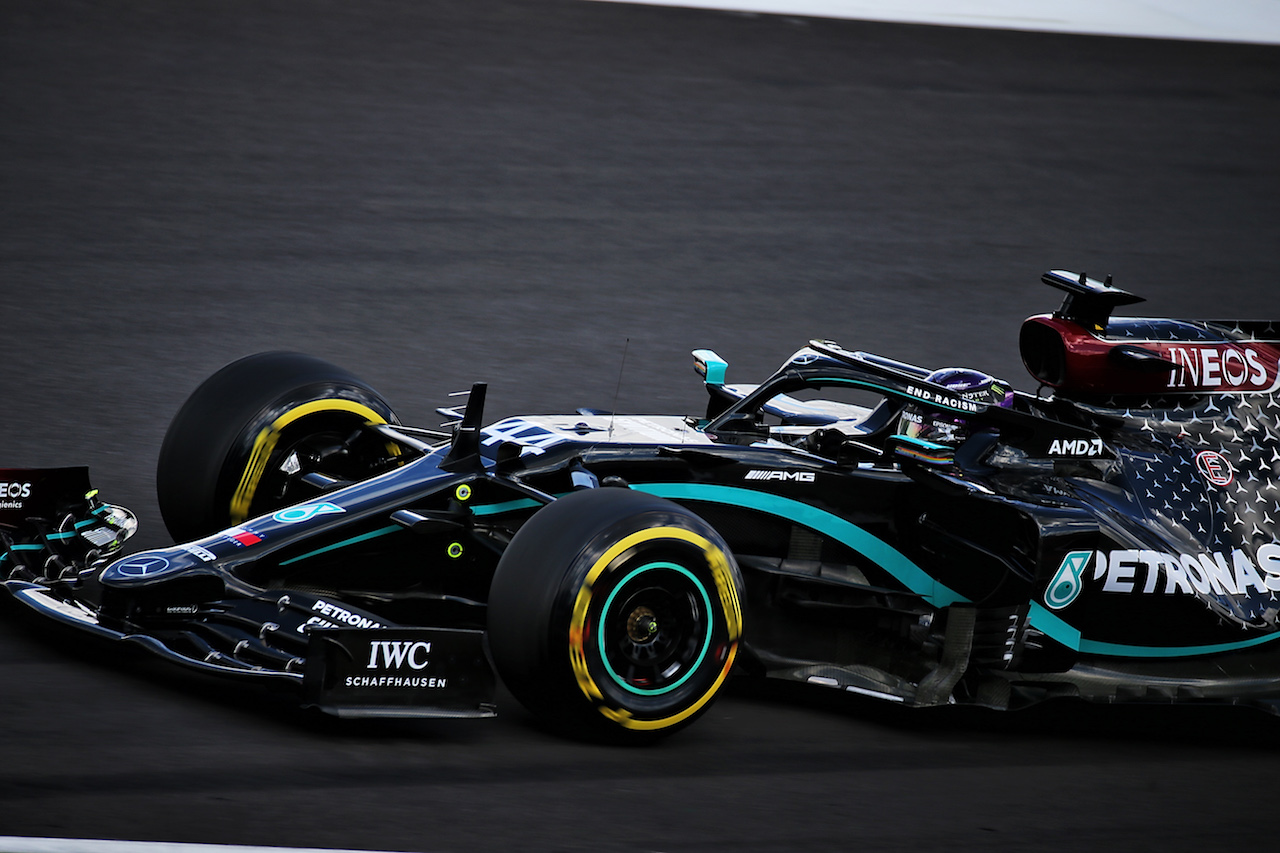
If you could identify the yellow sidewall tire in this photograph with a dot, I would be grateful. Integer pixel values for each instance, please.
(616, 614)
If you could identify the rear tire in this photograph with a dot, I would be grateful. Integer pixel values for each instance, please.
(222, 456)
(615, 614)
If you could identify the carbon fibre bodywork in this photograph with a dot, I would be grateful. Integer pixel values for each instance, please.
(1112, 537)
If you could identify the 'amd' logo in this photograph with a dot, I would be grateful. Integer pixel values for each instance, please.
(396, 653)
(1075, 447)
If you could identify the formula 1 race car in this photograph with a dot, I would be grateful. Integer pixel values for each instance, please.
(922, 536)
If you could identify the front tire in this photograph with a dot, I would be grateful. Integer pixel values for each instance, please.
(229, 453)
(615, 614)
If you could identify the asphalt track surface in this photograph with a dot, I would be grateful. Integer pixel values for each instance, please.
(554, 197)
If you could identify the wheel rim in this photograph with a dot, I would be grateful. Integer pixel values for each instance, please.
(595, 667)
(655, 629)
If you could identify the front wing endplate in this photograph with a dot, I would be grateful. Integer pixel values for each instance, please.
(399, 672)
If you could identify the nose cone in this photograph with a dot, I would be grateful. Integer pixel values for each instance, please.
(148, 567)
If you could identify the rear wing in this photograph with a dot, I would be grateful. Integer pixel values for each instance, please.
(1082, 351)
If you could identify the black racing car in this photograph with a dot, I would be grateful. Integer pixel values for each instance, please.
(921, 536)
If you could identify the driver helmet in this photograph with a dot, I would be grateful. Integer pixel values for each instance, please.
(952, 428)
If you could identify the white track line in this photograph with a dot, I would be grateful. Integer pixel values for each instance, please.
(13, 844)
(1255, 21)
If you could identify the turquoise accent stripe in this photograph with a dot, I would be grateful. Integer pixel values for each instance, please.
(920, 442)
(1055, 628)
(505, 506)
(88, 522)
(1052, 626)
(26, 547)
(364, 537)
(69, 535)
(716, 366)
(877, 550)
